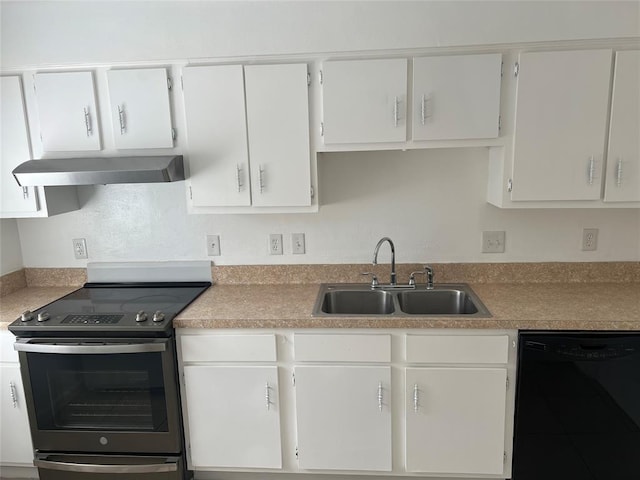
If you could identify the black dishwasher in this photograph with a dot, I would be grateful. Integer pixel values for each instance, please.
(577, 406)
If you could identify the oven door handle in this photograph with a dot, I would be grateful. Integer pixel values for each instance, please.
(25, 345)
(99, 468)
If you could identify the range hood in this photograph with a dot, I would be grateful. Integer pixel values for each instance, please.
(99, 170)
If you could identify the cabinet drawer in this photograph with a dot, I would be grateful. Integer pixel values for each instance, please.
(342, 348)
(229, 348)
(457, 348)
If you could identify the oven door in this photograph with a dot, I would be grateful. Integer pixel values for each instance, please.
(115, 395)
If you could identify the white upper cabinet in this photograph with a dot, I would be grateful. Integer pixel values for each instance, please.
(67, 111)
(456, 97)
(216, 135)
(140, 112)
(278, 129)
(364, 101)
(248, 136)
(15, 149)
(623, 158)
(561, 120)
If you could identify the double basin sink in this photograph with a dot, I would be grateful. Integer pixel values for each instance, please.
(362, 300)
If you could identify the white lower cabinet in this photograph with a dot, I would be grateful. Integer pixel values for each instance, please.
(234, 418)
(343, 417)
(392, 402)
(455, 420)
(15, 436)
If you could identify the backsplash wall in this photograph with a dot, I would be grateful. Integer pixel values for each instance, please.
(432, 203)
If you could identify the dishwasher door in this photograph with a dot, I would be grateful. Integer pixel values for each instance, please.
(577, 406)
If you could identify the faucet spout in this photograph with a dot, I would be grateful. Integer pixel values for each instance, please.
(393, 280)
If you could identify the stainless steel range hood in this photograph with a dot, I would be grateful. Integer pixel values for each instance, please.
(99, 170)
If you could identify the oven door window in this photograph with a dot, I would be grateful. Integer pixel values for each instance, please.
(123, 392)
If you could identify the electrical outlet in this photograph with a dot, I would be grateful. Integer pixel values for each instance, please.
(493, 242)
(80, 248)
(213, 245)
(589, 239)
(275, 244)
(297, 243)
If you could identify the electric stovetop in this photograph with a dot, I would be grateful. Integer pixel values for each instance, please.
(111, 309)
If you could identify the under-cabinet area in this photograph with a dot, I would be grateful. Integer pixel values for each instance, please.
(384, 402)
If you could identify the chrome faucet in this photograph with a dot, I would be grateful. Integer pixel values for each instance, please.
(393, 282)
(427, 272)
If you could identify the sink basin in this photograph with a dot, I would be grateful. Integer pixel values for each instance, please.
(437, 302)
(360, 300)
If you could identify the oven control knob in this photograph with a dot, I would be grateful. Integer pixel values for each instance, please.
(141, 316)
(43, 316)
(158, 316)
(26, 316)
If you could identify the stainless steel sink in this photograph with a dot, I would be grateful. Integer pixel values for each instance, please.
(362, 300)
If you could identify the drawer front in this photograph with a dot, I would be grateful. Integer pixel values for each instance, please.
(342, 348)
(229, 348)
(489, 349)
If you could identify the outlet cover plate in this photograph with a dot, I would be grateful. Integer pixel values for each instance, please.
(275, 244)
(589, 239)
(493, 242)
(297, 243)
(80, 248)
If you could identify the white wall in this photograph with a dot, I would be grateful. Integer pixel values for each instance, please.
(430, 202)
(55, 33)
(10, 251)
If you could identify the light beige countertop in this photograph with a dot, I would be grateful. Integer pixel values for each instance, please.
(572, 306)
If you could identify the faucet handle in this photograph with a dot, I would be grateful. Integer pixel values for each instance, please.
(428, 270)
(374, 279)
(412, 277)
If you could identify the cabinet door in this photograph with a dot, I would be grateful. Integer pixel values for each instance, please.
(15, 436)
(67, 111)
(140, 112)
(456, 97)
(278, 129)
(15, 149)
(364, 101)
(233, 416)
(343, 417)
(561, 119)
(455, 420)
(623, 158)
(216, 135)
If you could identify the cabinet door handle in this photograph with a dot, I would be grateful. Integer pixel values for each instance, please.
(261, 179)
(239, 177)
(416, 397)
(592, 169)
(395, 111)
(380, 396)
(25, 193)
(87, 121)
(423, 110)
(122, 118)
(14, 396)
(619, 173)
(267, 395)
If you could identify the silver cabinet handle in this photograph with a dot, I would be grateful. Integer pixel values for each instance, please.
(87, 121)
(14, 395)
(380, 396)
(98, 468)
(423, 110)
(122, 118)
(261, 179)
(416, 397)
(267, 395)
(25, 193)
(24, 345)
(619, 173)
(239, 177)
(592, 169)
(395, 111)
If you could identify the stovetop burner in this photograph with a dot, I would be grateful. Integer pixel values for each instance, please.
(111, 309)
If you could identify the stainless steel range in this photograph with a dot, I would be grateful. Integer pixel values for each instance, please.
(100, 376)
